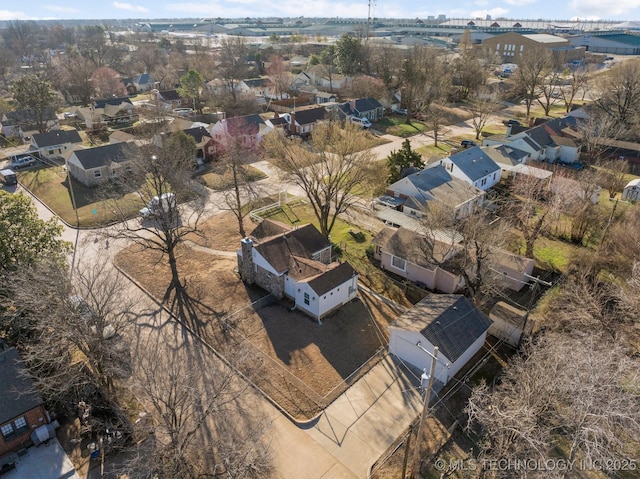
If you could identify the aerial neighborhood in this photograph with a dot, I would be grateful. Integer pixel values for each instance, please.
(298, 247)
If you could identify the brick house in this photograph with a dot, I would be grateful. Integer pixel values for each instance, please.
(21, 407)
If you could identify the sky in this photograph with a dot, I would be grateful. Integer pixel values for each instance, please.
(624, 10)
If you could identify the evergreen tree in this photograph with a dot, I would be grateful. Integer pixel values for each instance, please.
(398, 161)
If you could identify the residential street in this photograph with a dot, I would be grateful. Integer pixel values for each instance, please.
(352, 432)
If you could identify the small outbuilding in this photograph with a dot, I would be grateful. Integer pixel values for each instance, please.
(631, 192)
(449, 321)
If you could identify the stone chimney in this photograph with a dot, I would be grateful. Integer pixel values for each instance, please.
(245, 261)
(352, 105)
(292, 125)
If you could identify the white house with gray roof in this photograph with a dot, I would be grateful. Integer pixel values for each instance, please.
(296, 263)
(55, 144)
(509, 158)
(412, 194)
(449, 321)
(472, 166)
(91, 166)
(551, 141)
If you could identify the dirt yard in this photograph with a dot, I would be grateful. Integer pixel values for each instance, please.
(299, 363)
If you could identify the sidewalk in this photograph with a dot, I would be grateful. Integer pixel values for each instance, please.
(362, 423)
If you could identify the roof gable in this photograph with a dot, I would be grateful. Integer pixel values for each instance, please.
(56, 137)
(304, 241)
(367, 104)
(197, 133)
(311, 115)
(449, 321)
(100, 156)
(437, 183)
(337, 274)
(474, 163)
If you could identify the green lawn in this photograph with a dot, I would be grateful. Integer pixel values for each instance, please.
(218, 177)
(430, 152)
(51, 186)
(494, 129)
(397, 126)
(352, 248)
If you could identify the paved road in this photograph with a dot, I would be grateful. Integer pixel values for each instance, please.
(353, 431)
(345, 441)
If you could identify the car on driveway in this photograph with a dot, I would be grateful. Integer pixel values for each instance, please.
(468, 143)
(511, 122)
(402, 111)
(22, 161)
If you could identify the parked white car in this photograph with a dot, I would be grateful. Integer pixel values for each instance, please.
(163, 203)
(362, 122)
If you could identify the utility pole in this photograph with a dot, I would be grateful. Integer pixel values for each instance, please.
(415, 468)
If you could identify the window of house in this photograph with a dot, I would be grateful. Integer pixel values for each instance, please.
(483, 182)
(398, 263)
(306, 298)
(7, 431)
(20, 425)
(97, 174)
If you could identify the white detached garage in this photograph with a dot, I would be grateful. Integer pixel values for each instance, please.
(449, 321)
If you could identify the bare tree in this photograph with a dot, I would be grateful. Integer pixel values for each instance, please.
(425, 79)
(577, 195)
(534, 65)
(620, 93)
(329, 169)
(468, 73)
(595, 133)
(470, 245)
(232, 65)
(578, 79)
(531, 208)
(482, 105)
(162, 177)
(107, 83)
(73, 328)
(549, 91)
(201, 429)
(236, 154)
(279, 77)
(569, 390)
(74, 78)
(613, 175)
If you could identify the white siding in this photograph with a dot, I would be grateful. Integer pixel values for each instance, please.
(313, 307)
(338, 296)
(403, 344)
(290, 286)
(467, 355)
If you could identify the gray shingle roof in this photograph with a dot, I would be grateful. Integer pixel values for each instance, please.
(17, 394)
(306, 117)
(102, 102)
(436, 182)
(56, 137)
(505, 154)
(413, 247)
(475, 163)
(99, 156)
(332, 278)
(449, 321)
(303, 241)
